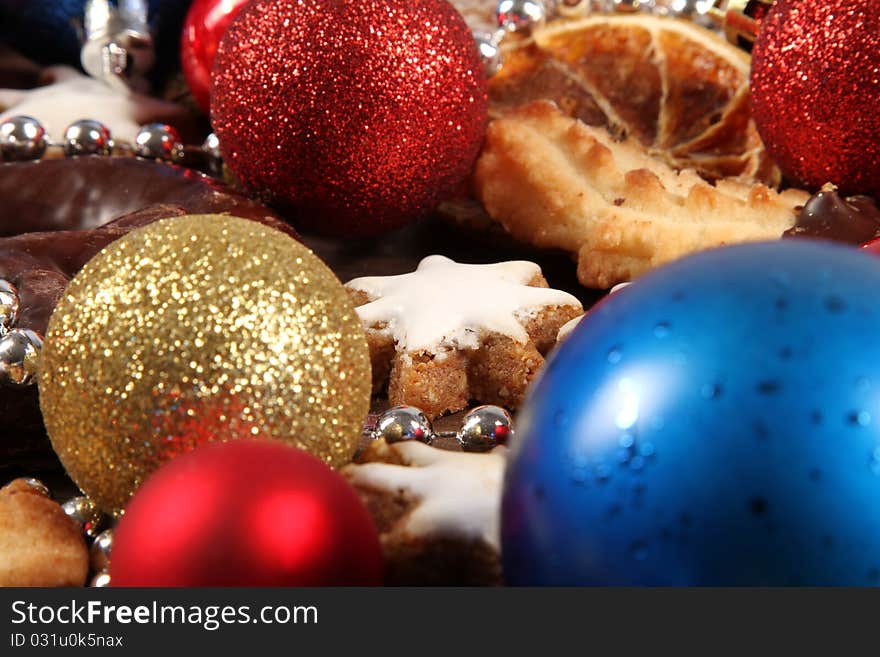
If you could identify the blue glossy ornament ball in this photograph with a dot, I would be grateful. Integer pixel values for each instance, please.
(49, 31)
(715, 423)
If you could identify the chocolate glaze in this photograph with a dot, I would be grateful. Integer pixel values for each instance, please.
(88, 192)
(827, 215)
(55, 215)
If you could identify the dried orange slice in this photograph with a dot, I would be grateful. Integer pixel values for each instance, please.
(678, 88)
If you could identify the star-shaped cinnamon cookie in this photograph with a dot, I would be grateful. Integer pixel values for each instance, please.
(450, 333)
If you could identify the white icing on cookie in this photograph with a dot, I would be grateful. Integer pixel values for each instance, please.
(73, 96)
(456, 494)
(566, 329)
(447, 305)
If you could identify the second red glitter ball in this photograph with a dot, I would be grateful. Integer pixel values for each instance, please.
(357, 117)
(815, 92)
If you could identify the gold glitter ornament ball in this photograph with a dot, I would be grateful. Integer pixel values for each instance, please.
(199, 328)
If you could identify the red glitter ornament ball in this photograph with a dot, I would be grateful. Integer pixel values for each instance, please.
(245, 513)
(205, 24)
(816, 91)
(357, 116)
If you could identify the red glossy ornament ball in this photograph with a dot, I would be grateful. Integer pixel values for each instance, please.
(872, 247)
(816, 89)
(245, 513)
(354, 116)
(206, 23)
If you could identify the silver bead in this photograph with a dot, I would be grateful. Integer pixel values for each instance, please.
(158, 141)
(8, 306)
(211, 146)
(490, 53)
(485, 427)
(87, 137)
(404, 423)
(38, 486)
(211, 149)
(698, 11)
(99, 553)
(100, 580)
(20, 356)
(84, 513)
(520, 15)
(22, 138)
(686, 8)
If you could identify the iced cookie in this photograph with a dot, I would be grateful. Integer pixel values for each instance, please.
(437, 512)
(450, 333)
(72, 96)
(566, 329)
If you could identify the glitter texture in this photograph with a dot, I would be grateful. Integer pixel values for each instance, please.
(358, 116)
(194, 329)
(816, 91)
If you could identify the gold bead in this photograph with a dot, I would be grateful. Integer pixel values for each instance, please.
(195, 329)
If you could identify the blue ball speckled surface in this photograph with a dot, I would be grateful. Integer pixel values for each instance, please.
(48, 31)
(715, 423)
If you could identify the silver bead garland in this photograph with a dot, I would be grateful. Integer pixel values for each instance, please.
(23, 138)
(87, 137)
(92, 522)
(8, 306)
(403, 423)
(158, 141)
(483, 428)
(528, 15)
(99, 552)
(19, 348)
(100, 580)
(520, 15)
(490, 52)
(85, 514)
(20, 356)
(213, 156)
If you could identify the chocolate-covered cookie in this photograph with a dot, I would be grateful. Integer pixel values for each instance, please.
(57, 214)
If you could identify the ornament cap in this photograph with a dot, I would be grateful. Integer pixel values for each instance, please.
(118, 47)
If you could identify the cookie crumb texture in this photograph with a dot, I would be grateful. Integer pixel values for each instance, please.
(436, 511)
(39, 544)
(616, 208)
